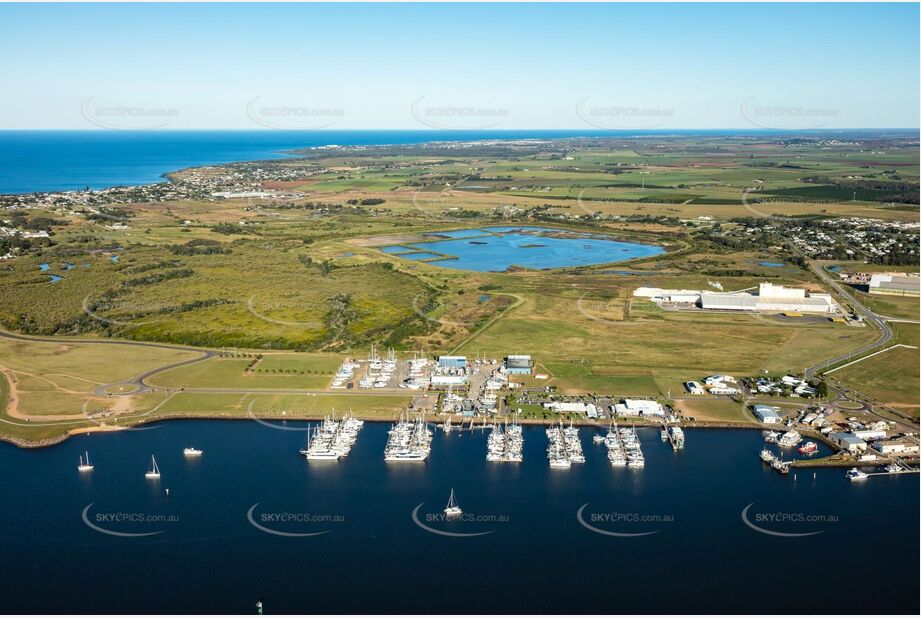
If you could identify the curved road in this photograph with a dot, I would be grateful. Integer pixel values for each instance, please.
(877, 320)
(139, 380)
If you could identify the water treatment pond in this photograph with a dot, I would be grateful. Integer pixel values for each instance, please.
(496, 249)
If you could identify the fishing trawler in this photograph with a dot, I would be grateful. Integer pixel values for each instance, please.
(85, 465)
(767, 456)
(453, 509)
(154, 472)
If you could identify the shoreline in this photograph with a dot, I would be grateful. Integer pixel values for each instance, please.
(805, 464)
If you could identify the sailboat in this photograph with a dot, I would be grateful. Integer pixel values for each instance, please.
(453, 510)
(154, 472)
(85, 465)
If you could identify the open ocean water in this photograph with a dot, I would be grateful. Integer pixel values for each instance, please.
(205, 551)
(65, 160)
(33, 161)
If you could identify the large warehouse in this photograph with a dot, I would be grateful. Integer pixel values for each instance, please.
(770, 297)
(895, 284)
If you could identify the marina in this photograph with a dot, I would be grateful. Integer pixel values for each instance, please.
(332, 439)
(505, 443)
(409, 440)
(624, 449)
(564, 447)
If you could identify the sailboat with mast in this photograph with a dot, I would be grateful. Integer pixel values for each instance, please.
(154, 472)
(85, 465)
(453, 509)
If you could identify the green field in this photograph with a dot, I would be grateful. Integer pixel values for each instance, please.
(284, 289)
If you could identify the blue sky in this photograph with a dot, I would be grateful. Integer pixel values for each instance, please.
(415, 66)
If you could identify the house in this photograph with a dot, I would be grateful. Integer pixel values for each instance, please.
(694, 387)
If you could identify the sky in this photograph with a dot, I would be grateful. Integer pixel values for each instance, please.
(454, 66)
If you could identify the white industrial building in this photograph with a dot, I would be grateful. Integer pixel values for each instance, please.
(767, 414)
(566, 406)
(639, 407)
(770, 297)
(895, 284)
(848, 442)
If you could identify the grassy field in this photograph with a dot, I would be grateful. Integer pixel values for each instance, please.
(891, 377)
(306, 287)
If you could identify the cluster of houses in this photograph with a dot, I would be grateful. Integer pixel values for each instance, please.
(856, 235)
(853, 437)
(795, 387)
(717, 384)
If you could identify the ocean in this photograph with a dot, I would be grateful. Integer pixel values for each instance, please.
(33, 161)
(694, 531)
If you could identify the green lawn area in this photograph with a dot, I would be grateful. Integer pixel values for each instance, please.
(229, 372)
(891, 377)
(892, 306)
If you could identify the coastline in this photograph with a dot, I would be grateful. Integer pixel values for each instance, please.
(821, 462)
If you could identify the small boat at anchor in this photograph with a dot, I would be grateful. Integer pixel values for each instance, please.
(453, 509)
(85, 465)
(154, 472)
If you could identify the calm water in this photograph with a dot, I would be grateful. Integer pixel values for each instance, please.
(538, 558)
(61, 160)
(482, 252)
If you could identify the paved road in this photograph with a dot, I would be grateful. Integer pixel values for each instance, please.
(870, 316)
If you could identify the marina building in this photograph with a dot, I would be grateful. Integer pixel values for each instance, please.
(895, 284)
(767, 414)
(639, 407)
(848, 442)
(518, 364)
(452, 362)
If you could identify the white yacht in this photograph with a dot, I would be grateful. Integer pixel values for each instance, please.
(453, 509)
(190, 451)
(856, 475)
(789, 439)
(154, 472)
(85, 465)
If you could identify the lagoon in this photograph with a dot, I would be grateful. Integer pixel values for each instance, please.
(496, 249)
